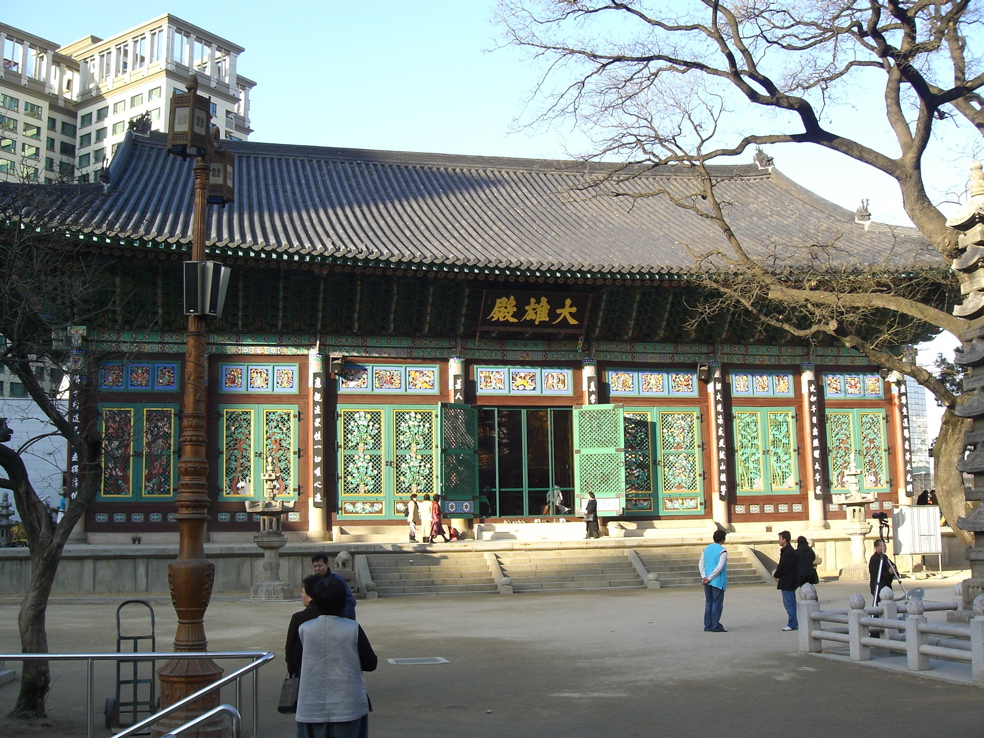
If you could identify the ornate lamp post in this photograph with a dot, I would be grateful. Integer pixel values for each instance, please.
(191, 575)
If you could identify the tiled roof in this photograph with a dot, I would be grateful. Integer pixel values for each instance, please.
(480, 212)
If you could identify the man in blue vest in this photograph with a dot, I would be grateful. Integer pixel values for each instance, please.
(714, 577)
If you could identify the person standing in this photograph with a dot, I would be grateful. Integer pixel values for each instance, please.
(881, 571)
(426, 517)
(310, 612)
(437, 525)
(413, 516)
(786, 580)
(319, 562)
(714, 576)
(806, 572)
(332, 699)
(591, 517)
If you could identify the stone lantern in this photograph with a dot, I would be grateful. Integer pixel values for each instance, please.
(854, 501)
(270, 539)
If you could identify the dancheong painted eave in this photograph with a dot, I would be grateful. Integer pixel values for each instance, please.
(434, 211)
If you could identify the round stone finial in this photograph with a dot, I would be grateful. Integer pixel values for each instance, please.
(857, 602)
(506, 581)
(979, 605)
(887, 594)
(653, 576)
(976, 180)
(916, 606)
(808, 593)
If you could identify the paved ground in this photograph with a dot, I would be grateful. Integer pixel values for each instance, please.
(622, 663)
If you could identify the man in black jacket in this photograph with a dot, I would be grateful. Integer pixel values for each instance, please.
(881, 571)
(786, 580)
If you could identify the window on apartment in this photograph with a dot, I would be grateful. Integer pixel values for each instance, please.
(84, 161)
(67, 149)
(9, 102)
(231, 137)
(98, 155)
(85, 120)
(68, 129)
(179, 48)
(119, 107)
(85, 140)
(140, 52)
(8, 145)
(213, 109)
(17, 389)
(66, 169)
(30, 151)
(52, 124)
(49, 164)
(102, 113)
(29, 174)
(8, 124)
(155, 114)
(32, 131)
(136, 101)
(1, 389)
(82, 178)
(32, 110)
(122, 57)
(49, 144)
(100, 134)
(39, 373)
(112, 149)
(105, 62)
(6, 166)
(153, 94)
(12, 51)
(156, 42)
(118, 128)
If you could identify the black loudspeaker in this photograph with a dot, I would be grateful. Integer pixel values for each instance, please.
(205, 286)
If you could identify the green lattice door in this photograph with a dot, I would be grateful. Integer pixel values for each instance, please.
(678, 462)
(599, 456)
(857, 436)
(249, 437)
(386, 453)
(139, 451)
(765, 451)
(459, 459)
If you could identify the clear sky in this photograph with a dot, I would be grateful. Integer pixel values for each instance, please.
(415, 75)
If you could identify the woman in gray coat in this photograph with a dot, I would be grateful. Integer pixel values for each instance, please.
(332, 701)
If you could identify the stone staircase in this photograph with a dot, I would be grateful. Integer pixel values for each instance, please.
(677, 565)
(430, 573)
(568, 569)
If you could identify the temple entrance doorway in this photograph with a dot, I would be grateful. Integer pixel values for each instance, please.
(524, 453)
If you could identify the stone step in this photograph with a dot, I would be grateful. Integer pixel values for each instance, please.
(555, 586)
(435, 589)
(420, 576)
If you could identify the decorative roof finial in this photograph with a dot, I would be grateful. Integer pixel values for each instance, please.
(762, 160)
(976, 180)
(862, 215)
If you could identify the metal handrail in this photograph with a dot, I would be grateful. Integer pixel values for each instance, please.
(259, 658)
(229, 710)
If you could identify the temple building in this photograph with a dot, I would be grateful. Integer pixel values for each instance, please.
(486, 329)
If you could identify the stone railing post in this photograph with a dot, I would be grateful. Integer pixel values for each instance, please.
(890, 608)
(915, 660)
(856, 631)
(806, 605)
(977, 642)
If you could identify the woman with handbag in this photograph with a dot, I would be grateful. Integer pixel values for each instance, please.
(591, 517)
(332, 701)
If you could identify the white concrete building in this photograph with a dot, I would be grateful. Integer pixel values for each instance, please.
(66, 108)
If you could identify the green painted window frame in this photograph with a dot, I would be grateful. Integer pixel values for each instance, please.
(862, 458)
(765, 452)
(138, 451)
(257, 440)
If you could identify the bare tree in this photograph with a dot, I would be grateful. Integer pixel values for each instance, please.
(691, 82)
(48, 282)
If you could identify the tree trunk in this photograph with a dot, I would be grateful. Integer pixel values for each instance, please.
(947, 451)
(36, 677)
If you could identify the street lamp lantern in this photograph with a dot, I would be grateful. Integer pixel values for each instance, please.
(221, 177)
(188, 124)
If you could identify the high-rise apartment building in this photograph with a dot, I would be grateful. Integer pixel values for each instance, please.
(65, 109)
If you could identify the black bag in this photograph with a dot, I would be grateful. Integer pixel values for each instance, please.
(288, 694)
